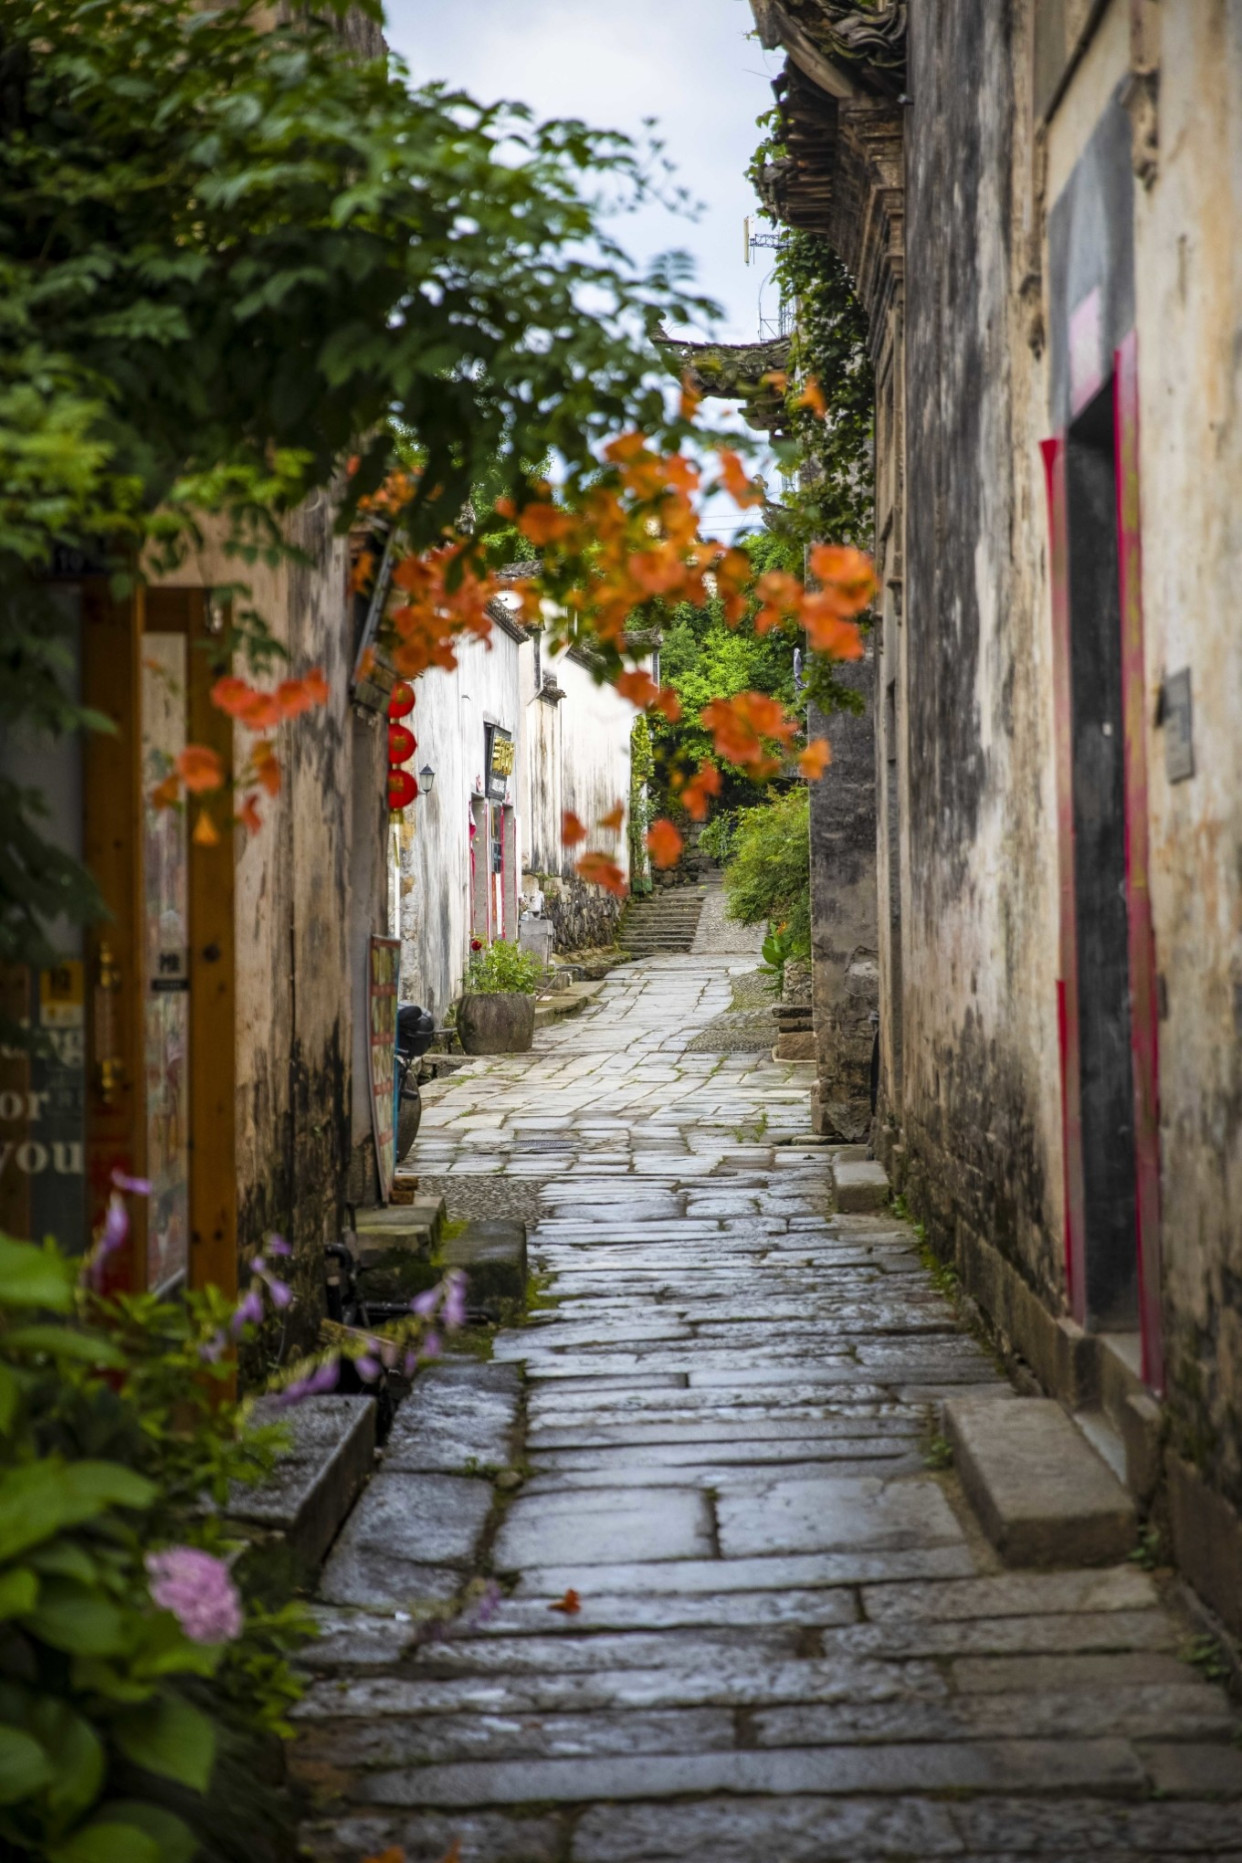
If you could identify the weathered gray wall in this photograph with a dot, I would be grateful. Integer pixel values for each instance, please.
(1188, 241)
(972, 1114)
(308, 884)
(844, 939)
(980, 1114)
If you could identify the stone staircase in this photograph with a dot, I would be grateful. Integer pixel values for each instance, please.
(666, 921)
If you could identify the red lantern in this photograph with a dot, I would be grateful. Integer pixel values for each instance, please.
(401, 745)
(401, 700)
(402, 788)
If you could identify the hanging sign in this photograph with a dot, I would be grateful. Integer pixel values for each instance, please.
(499, 762)
(384, 981)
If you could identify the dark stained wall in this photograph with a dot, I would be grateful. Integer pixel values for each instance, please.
(979, 1116)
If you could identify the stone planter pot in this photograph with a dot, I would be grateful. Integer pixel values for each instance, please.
(500, 1024)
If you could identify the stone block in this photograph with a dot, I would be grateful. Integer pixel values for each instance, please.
(597, 1526)
(1042, 1494)
(491, 1837)
(900, 1769)
(795, 1045)
(1140, 1422)
(860, 1186)
(460, 1418)
(1207, 1540)
(411, 1536)
(493, 1256)
(402, 1224)
(834, 1514)
(313, 1486)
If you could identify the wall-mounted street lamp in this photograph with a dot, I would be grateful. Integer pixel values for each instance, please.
(426, 780)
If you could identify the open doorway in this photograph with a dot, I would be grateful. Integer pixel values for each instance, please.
(1101, 926)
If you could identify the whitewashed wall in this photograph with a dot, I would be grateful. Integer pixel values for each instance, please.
(571, 752)
(450, 713)
(577, 758)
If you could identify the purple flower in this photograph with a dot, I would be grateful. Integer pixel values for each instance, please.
(199, 1592)
(368, 1368)
(454, 1314)
(425, 1304)
(409, 1364)
(213, 1349)
(280, 1291)
(276, 1245)
(431, 1346)
(139, 1186)
(322, 1379)
(116, 1226)
(249, 1311)
(115, 1230)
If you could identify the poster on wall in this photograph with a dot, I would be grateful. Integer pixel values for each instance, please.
(499, 762)
(384, 980)
(43, 1106)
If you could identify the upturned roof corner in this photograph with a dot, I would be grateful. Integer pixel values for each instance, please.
(849, 48)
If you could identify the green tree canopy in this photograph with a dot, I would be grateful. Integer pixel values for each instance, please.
(702, 658)
(232, 257)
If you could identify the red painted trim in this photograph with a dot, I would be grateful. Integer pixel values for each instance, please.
(1053, 451)
(1144, 1026)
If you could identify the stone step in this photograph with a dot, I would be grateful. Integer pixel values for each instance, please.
(1042, 1493)
(409, 1225)
(860, 1184)
(417, 1532)
(493, 1254)
(569, 1000)
(395, 1248)
(316, 1481)
(658, 944)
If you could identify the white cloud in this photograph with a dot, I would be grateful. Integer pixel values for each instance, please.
(688, 63)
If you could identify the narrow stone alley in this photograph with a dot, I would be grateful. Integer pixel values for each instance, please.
(719, 1430)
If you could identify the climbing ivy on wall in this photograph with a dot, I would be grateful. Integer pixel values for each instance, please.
(835, 493)
(828, 450)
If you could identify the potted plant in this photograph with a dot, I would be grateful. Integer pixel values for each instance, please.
(496, 1014)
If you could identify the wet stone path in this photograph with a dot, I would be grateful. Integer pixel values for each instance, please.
(792, 1642)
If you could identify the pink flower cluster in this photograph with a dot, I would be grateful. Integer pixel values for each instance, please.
(199, 1592)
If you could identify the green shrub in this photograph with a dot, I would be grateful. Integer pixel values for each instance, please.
(132, 1646)
(501, 969)
(768, 879)
(780, 947)
(144, 1644)
(717, 838)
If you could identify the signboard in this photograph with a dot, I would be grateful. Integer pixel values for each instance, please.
(384, 982)
(499, 762)
(43, 1106)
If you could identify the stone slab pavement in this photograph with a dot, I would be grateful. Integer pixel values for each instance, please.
(791, 1640)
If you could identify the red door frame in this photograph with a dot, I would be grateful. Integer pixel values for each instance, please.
(1144, 1040)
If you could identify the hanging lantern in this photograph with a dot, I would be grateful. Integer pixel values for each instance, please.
(402, 783)
(401, 745)
(402, 788)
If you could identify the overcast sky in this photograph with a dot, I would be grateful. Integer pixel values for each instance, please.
(688, 63)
